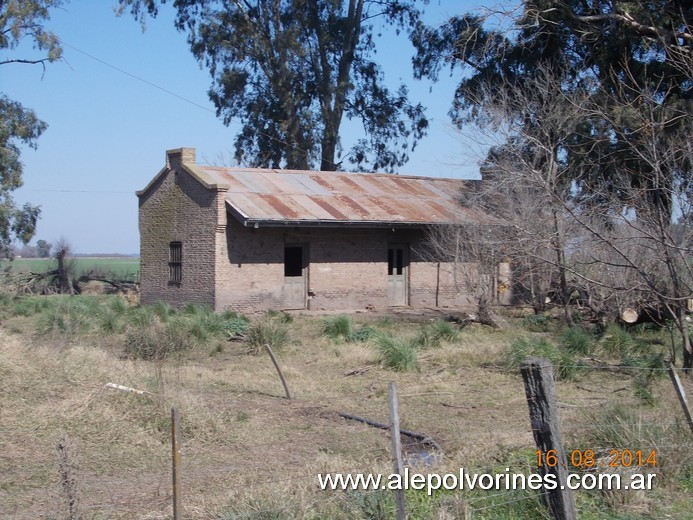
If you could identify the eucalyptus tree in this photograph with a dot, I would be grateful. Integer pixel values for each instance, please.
(608, 48)
(20, 22)
(290, 71)
(622, 88)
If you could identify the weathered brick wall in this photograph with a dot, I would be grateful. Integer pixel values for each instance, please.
(178, 208)
(229, 266)
(347, 269)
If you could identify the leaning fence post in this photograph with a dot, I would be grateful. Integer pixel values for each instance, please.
(396, 450)
(543, 415)
(681, 393)
(279, 370)
(175, 452)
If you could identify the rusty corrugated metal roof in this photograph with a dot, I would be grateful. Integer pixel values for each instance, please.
(278, 197)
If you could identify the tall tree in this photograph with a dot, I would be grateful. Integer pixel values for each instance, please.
(291, 70)
(624, 82)
(606, 47)
(20, 20)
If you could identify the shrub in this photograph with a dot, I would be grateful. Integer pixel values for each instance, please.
(64, 316)
(522, 348)
(338, 327)
(619, 426)
(396, 353)
(281, 316)
(163, 311)
(577, 341)
(234, 324)
(536, 323)
(157, 341)
(363, 333)
(119, 305)
(269, 330)
(109, 321)
(616, 341)
(29, 305)
(433, 334)
(142, 316)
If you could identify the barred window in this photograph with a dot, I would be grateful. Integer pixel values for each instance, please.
(175, 262)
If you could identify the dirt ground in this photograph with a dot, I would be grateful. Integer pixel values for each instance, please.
(243, 442)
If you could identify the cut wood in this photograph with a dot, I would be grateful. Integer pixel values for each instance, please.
(629, 315)
(122, 388)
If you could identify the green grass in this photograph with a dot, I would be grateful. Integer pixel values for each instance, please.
(124, 268)
(271, 329)
(523, 347)
(398, 354)
(433, 334)
(577, 341)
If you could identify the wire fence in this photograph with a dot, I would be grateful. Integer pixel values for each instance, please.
(267, 452)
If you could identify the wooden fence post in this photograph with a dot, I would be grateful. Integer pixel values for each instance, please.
(396, 450)
(543, 415)
(279, 370)
(681, 393)
(175, 452)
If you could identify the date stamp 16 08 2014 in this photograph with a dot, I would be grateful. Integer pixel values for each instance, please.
(587, 459)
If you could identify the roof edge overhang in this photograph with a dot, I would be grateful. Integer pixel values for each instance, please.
(192, 170)
(257, 223)
(331, 223)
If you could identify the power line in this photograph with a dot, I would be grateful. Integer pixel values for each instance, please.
(137, 77)
(151, 84)
(78, 191)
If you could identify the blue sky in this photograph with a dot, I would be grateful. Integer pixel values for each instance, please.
(108, 132)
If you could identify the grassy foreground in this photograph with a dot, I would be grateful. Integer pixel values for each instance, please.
(71, 448)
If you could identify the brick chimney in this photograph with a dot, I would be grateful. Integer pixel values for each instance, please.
(178, 156)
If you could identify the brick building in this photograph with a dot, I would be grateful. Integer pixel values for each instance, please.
(252, 239)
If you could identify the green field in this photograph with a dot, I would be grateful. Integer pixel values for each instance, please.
(119, 267)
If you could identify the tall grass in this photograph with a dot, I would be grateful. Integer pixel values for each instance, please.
(398, 354)
(432, 335)
(576, 341)
(618, 426)
(341, 328)
(338, 327)
(270, 329)
(523, 347)
(616, 341)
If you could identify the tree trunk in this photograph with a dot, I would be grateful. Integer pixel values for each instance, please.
(686, 339)
(63, 277)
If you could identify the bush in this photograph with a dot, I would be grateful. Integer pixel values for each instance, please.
(109, 321)
(433, 334)
(521, 348)
(269, 330)
(234, 324)
(157, 341)
(142, 316)
(281, 316)
(163, 311)
(536, 323)
(363, 333)
(616, 341)
(577, 341)
(338, 327)
(29, 305)
(65, 316)
(396, 353)
(618, 426)
(119, 305)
